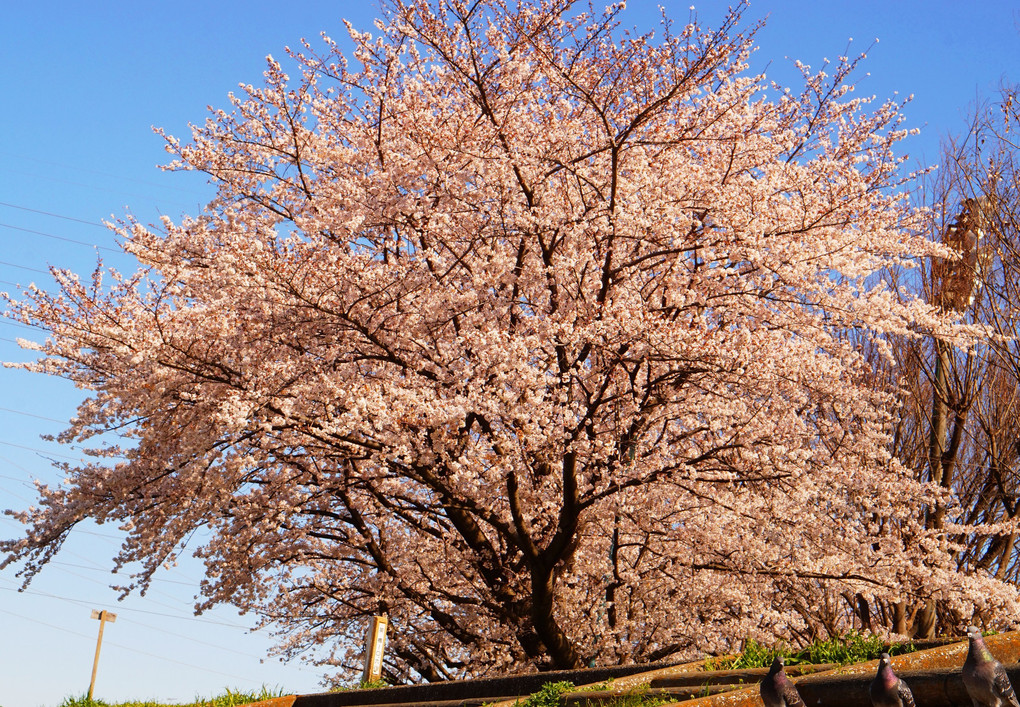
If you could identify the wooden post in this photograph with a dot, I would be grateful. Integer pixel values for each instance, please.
(375, 645)
(103, 617)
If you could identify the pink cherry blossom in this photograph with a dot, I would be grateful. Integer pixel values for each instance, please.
(536, 334)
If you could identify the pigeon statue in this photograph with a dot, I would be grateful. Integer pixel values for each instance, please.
(887, 690)
(984, 677)
(776, 688)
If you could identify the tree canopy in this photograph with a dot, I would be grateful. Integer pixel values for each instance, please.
(539, 335)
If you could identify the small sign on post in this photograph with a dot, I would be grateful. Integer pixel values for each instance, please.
(375, 645)
(103, 617)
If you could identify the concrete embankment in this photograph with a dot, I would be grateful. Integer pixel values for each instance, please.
(933, 675)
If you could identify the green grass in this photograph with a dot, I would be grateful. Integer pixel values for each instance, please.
(549, 695)
(852, 647)
(230, 698)
(373, 685)
(639, 697)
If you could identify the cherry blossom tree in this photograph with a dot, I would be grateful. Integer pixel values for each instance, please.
(532, 332)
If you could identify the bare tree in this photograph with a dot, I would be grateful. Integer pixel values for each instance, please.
(958, 427)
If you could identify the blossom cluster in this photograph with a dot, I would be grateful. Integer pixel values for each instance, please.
(534, 334)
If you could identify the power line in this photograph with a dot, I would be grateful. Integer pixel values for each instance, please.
(11, 322)
(101, 173)
(16, 466)
(152, 590)
(105, 585)
(29, 414)
(24, 267)
(104, 536)
(64, 421)
(216, 646)
(41, 451)
(60, 238)
(24, 482)
(129, 648)
(107, 189)
(158, 580)
(17, 496)
(12, 341)
(50, 213)
(107, 571)
(179, 662)
(43, 623)
(198, 619)
(149, 599)
(198, 640)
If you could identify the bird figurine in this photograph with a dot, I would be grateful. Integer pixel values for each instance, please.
(887, 690)
(777, 690)
(984, 677)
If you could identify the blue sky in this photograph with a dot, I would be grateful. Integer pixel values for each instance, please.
(82, 86)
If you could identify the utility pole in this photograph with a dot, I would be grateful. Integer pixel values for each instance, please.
(103, 617)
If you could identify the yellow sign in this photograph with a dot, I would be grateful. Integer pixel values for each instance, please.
(375, 646)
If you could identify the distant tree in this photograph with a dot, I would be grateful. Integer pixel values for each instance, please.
(531, 332)
(960, 426)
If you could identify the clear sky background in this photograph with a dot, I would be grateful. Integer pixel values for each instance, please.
(82, 84)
